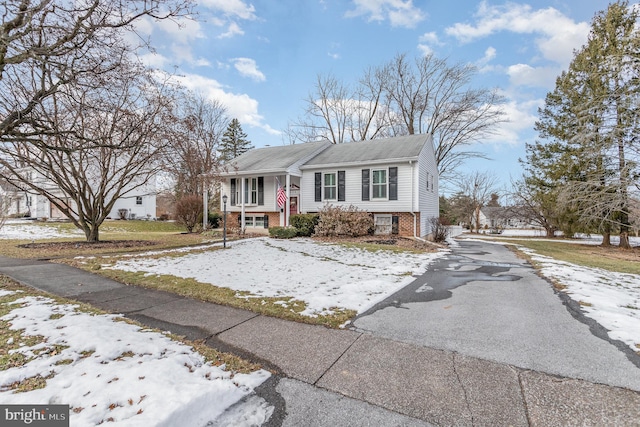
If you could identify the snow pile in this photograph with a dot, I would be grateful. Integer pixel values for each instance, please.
(611, 299)
(111, 371)
(325, 276)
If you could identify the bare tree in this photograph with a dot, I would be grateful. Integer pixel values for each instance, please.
(478, 188)
(534, 206)
(104, 139)
(192, 155)
(340, 113)
(433, 97)
(405, 97)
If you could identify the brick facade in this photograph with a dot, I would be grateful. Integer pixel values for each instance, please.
(405, 223)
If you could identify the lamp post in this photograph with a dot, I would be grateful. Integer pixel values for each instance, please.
(224, 221)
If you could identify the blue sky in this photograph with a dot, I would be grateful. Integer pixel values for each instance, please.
(261, 58)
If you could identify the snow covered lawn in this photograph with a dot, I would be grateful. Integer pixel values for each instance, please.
(324, 276)
(111, 371)
(611, 299)
(22, 229)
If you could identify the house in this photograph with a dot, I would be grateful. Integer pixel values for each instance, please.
(26, 202)
(499, 217)
(395, 179)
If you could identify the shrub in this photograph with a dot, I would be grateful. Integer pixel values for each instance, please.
(188, 210)
(304, 223)
(340, 221)
(215, 218)
(283, 232)
(439, 231)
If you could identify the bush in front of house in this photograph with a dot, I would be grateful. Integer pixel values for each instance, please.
(341, 221)
(304, 223)
(439, 231)
(283, 232)
(188, 210)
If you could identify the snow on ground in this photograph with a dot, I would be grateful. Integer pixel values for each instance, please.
(21, 229)
(324, 276)
(611, 299)
(118, 373)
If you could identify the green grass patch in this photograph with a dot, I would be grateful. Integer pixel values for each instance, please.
(610, 259)
(376, 247)
(161, 234)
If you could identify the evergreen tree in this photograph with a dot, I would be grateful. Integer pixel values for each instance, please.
(589, 123)
(234, 142)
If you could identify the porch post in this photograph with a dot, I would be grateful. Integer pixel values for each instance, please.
(242, 213)
(287, 206)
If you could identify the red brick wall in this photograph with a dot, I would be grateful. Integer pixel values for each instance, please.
(405, 223)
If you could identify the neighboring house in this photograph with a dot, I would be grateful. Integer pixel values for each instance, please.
(498, 217)
(139, 203)
(395, 179)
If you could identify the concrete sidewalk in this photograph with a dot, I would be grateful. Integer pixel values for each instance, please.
(439, 387)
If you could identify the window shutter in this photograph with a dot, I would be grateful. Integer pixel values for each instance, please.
(233, 192)
(365, 184)
(341, 186)
(246, 191)
(395, 224)
(266, 221)
(393, 183)
(261, 190)
(318, 186)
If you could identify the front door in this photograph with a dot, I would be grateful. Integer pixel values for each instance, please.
(293, 205)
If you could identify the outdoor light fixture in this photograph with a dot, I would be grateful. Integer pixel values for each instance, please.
(224, 221)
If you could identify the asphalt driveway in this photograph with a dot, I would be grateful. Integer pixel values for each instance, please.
(483, 301)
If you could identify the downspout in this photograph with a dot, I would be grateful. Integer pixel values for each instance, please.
(415, 217)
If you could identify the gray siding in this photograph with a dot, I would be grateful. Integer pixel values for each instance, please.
(427, 198)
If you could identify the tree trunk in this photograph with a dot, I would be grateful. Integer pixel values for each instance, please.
(606, 239)
(93, 234)
(551, 232)
(624, 240)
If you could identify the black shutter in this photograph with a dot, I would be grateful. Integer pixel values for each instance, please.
(341, 186)
(395, 224)
(261, 190)
(365, 184)
(393, 183)
(266, 221)
(233, 191)
(318, 188)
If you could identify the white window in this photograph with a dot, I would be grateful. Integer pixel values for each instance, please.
(379, 187)
(254, 221)
(251, 191)
(138, 200)
(383, 224)
(330, 186)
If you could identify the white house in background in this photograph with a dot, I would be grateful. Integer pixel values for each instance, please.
(395, 179)
(140, 203)
(499, 217)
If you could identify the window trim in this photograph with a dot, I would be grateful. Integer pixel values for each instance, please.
(334, 186)
(384, 185)
(138, 200)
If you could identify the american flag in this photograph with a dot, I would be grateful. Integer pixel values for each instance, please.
(281, 196)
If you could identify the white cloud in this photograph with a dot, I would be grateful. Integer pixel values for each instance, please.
(558, 34)
(400, 13)
(232, 8)
(431, 38)
(521, 117)
(233, 30)
(425, 49)
(526, 75)
(247, 67)
(241, 106)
